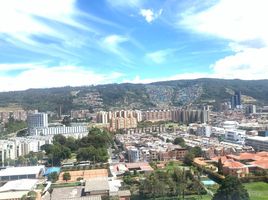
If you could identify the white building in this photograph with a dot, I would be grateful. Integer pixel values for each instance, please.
(37, 120)
(133, 154)
(64, 130)
(17, 188)
(17, 173)
(7, 151)
(236, 135)
(230, 125)
(258, 143)
(204, 130)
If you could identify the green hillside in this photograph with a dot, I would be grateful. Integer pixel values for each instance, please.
(140, 96)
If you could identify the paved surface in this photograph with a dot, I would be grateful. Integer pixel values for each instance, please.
(63, 193)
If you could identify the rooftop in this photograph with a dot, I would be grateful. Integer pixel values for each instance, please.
(97, 184)
(16, 171)
(19, 185)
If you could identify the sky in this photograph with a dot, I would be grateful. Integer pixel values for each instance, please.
(54, 43)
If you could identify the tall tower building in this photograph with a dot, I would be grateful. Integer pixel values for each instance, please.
(37, 120)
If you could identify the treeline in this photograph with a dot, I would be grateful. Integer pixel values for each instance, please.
(175, 182)
(13, 126)
(92, 147)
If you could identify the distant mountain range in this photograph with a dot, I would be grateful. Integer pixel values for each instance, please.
(140, 96)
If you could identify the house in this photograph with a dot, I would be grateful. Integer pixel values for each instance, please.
(16, 189)
(97, 186)
(16, 173)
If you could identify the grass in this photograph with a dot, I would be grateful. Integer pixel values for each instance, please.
(257, 190)
(59, 185)
(196, 197)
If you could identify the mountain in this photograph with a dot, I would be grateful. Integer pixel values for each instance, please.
(140, 96)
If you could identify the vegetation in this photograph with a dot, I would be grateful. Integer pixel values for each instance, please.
(136, 95)
(30, 196)
(192, 153)
(180, 141)
(231, 189)
(175, 182)
(53, 177)
(92, 147)
(257, 190)
(66, 176)
(13, 126)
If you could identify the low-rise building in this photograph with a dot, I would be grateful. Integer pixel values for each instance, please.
(17, 173)
(257, 142)
(97, 186)
(14, 190)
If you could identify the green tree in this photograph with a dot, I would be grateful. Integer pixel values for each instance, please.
(231, 189)
(220, 166)
(196, 151)
(188, 158)
(179, 141)
(53, 177)
(66, 176)
(66, 121)
(59, 139)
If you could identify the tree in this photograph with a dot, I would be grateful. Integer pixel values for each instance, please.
(53, 177)
(188, 158)
(179, 141)
(66, 176)
(196, 151)
(59, 139)
(231, 189)
(66, 121)
(220, 166)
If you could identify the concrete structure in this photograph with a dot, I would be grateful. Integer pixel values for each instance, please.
(16, 173)
(204, 130)
(236, 100)
(16, 189)
(64, 130)
(251, 109)
(257, 142)
(37, 120)
(133, 154)
(97, 186)
(237, 136)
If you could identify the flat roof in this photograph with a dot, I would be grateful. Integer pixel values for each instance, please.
(19, 185)
(97, 184)
(12, 195)
(16, 171)
(258, 138)
(93, 197)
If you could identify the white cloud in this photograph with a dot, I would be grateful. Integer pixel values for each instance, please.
(243, 25)
(149, 15)
(23, 16)
(43, 77)
(183, 76)
(112, 44)
(20, 66)
(160, 56)
(125, 3)
(238, 20)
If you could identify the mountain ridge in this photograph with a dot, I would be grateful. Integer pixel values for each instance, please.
(162, 94)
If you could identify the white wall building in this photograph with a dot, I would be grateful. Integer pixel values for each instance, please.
(237, 136)
(258, 143)
(64, 130)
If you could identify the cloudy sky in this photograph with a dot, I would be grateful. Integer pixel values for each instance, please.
(51, 43)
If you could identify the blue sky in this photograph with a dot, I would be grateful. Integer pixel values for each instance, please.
(51, 43)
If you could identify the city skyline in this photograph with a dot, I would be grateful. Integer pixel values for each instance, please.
(78, 42)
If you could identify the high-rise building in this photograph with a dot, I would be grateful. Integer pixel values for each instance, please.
(37, 120)
(236, 100)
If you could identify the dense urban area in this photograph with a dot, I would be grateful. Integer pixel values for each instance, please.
(196, 151)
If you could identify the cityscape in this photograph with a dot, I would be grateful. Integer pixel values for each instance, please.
(133, 100)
